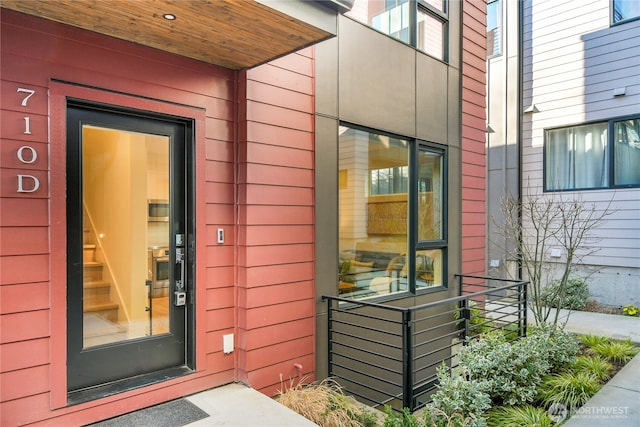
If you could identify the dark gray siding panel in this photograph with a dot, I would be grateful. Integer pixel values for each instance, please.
(376, 79)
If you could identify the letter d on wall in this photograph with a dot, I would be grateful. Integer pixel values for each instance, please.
(35, 183)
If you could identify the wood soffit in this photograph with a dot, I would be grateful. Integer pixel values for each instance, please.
(235, 34)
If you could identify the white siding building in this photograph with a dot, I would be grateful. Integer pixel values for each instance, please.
(569, 128)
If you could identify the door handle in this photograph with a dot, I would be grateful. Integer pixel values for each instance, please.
(180, 261)
(180, 293)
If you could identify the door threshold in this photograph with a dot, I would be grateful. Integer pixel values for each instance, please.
(88, 394)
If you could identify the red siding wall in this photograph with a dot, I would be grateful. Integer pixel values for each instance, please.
(254, 179)
(276, 216)
(40, 55)
(473, 137)
(254, 173)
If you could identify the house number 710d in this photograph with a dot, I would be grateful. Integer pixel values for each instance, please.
(27, 183)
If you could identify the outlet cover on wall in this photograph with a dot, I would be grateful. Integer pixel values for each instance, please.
(227, 343)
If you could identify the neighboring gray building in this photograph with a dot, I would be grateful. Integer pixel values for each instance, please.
(563, 119)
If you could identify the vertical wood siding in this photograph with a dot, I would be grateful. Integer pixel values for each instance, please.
(276, 222)
(573, 60)
(473, 137)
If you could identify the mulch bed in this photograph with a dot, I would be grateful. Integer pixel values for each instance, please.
(596, 307)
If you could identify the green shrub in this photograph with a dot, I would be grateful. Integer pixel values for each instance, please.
(559, 347)
(518, 416)
(575, 296)
(508, 372)
(594, 365)
(457, 402)
(616, 351)
(572, 389)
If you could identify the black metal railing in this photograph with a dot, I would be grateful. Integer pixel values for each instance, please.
(389, 355)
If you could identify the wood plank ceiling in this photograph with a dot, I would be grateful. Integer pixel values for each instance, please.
(235, 34)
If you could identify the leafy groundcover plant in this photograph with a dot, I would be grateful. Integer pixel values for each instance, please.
(510, 372)
(458, 401)
(593, 340)
(524, 378)
(497, 383)
(595, 365)
(619, 352)
(495, 371)
(570, 388)
(574, 385)
(519, 416)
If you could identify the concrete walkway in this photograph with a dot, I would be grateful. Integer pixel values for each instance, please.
(237, 405)
(618, 402)
(232, 405)
(614, 326)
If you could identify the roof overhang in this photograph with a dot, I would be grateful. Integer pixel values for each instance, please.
(235, 34)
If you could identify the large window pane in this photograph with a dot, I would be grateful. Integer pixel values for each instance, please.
(390, 17)
(577, 157)
(373, 213)
(627, 152)
(429, 268)
(376, 184)
(430, 35)
(436, 4)
(494, 28)
(429, 262)
(398, 19)
(625, 9)
(429, 195)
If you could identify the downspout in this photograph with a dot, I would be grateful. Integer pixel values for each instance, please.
(240, 77)
(519, 129)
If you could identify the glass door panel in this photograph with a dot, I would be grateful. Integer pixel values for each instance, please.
(126, 241)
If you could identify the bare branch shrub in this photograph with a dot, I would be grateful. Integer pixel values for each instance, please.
(539, 224)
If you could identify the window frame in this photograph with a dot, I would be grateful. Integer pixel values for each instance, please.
(413, 244)
(500, 25)
(416, 245)
(442, 16)
(610, 152)
(432, 11)
(623, 21)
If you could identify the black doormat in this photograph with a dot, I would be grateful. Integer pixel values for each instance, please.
(176, 413)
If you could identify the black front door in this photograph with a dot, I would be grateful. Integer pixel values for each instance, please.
(128, 234)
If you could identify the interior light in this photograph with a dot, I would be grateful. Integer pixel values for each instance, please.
(169, 16)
